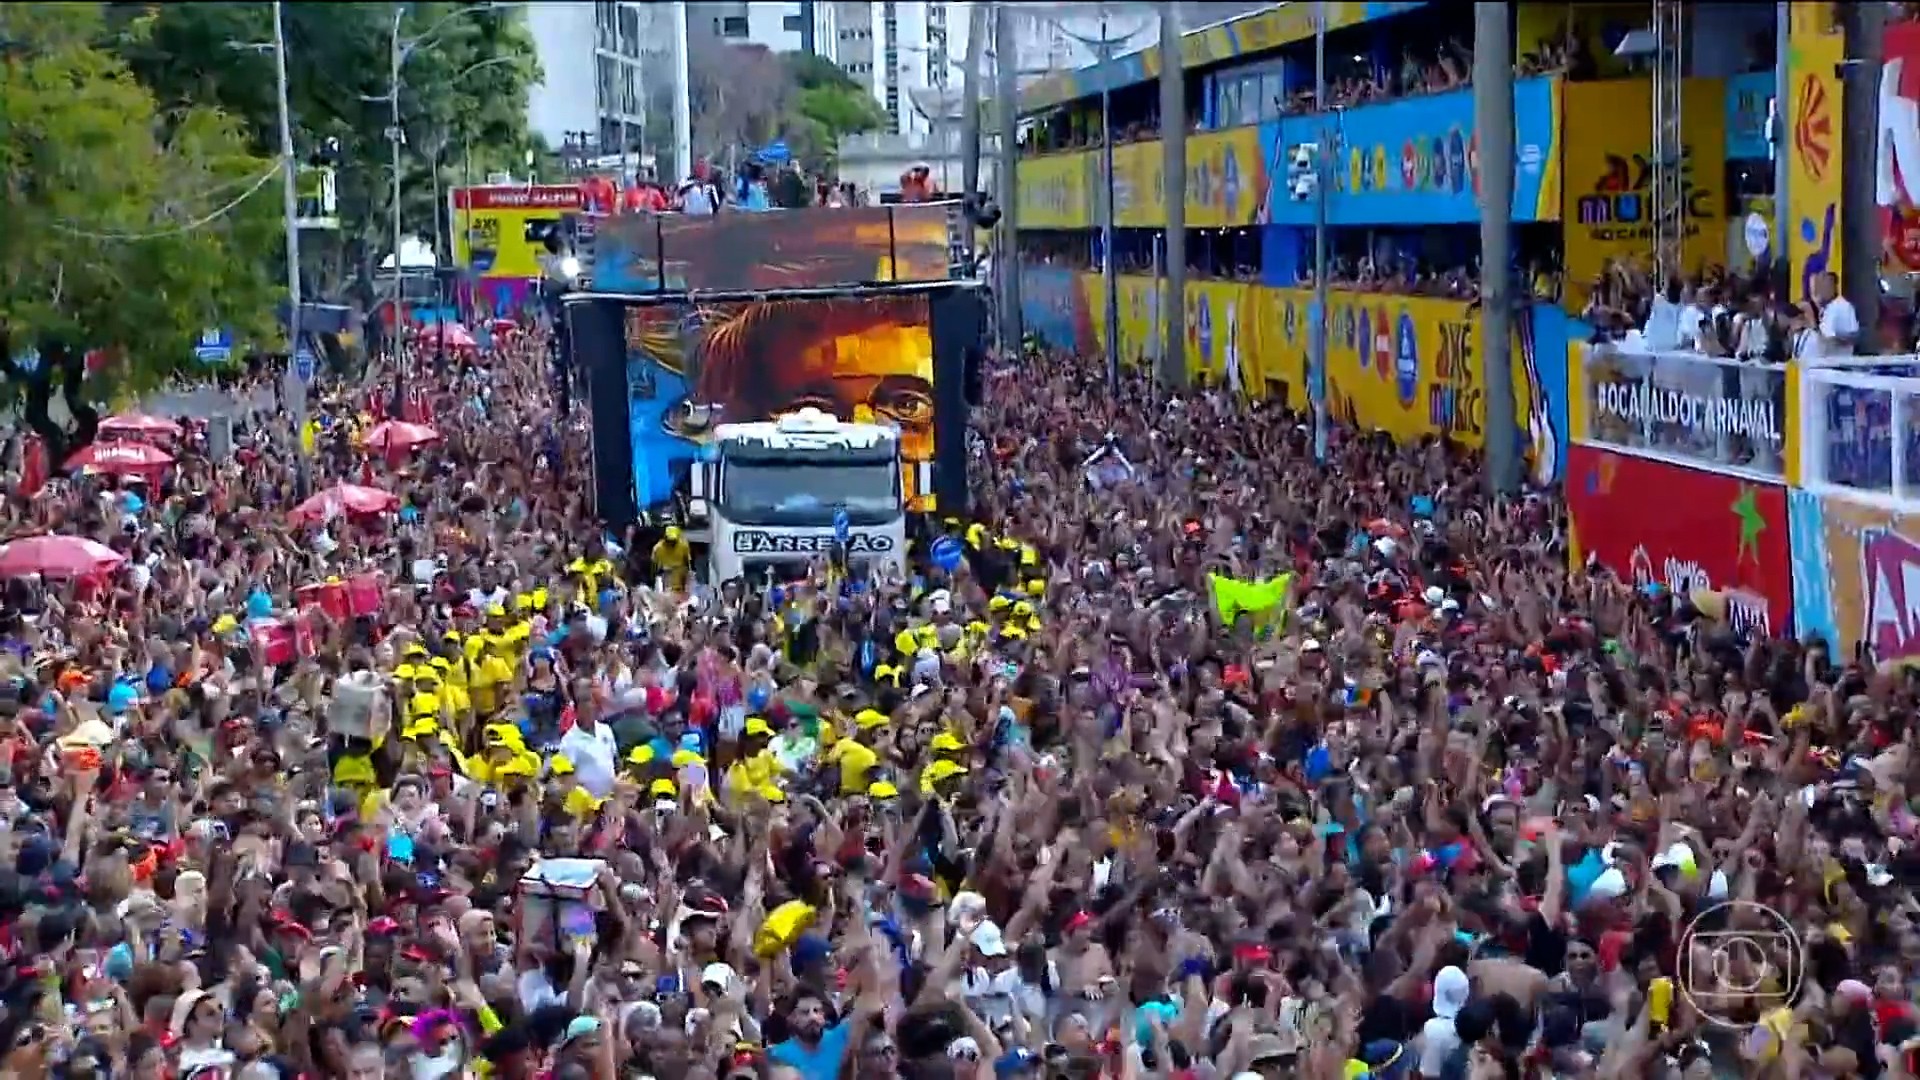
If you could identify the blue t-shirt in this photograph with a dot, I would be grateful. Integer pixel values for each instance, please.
(822, 1062)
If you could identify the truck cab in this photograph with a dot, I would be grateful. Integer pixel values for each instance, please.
(779, 494)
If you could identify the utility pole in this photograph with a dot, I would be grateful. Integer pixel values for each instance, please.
(1173, 139)
(395, 135)
(1006, 74)
(682, 94)
(970, 107)
(1493, 120)
(295, 387)
(1104, 47)
(1782, 146)
(1864, 27)
(1322, 179)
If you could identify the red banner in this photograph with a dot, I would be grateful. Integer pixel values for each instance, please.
(520, 197)
(1686, 529)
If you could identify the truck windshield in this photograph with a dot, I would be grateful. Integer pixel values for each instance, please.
(796, 493)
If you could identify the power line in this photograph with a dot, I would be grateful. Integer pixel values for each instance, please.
(177, 230)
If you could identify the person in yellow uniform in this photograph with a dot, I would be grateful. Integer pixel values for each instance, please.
(673, 559)
(592, 572)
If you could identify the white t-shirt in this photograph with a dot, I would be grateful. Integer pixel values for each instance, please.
(1692, 318)
(534, 990)
(1438, 1040)
(1662, 332)
(1807, 344)
(592, 754)
(1838, 320)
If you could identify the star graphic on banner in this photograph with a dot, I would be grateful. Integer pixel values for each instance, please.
(1752, 524)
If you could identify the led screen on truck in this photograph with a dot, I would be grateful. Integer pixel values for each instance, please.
(783, 249)
(663, 371)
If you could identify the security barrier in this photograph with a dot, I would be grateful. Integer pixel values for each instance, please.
(1860, 433)
(1687, 409)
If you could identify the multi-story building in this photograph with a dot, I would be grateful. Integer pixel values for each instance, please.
(602, 103)
(901, 50)
(781, 25)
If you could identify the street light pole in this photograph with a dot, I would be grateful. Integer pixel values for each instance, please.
(1104, 47)
(395, 135)
(294, 387)
(1322, 174)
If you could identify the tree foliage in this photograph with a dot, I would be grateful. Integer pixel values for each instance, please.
(126, 228)
(746, 96)
(463, 101)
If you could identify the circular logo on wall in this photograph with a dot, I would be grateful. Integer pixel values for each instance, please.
(1203, 321)
(1383, 345)
(1409, 166)
(1406, 365)
(1456, 161)
(1366, 338)
(1379, 167)
(1437, 164)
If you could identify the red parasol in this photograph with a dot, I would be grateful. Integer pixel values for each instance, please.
(139, 425)
(58, 557)
(399, 436)
(352, 499)
(120, 459)
(452, 334)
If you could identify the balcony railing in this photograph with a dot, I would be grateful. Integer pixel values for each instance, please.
(1686, 408)
(1861, 429)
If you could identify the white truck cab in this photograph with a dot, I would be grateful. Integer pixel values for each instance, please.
(778, 494)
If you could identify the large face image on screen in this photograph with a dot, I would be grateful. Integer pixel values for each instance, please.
(691, 367)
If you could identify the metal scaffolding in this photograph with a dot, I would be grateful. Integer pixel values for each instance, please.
(1669, 166)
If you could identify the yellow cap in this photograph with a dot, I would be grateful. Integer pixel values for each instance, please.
(497, 611)
(757, 725)
(869, 718)
(1022, 609)
(947, 742)
(673, 532)
(561, 765)
(882, 789)
(683, 758)
(640, 755)
(999, 603)
(416, 649)
(504, 735)
(225, 624)
(523, 602)
(662, 787)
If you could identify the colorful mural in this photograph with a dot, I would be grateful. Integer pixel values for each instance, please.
(1852, 566)
(1814, 52)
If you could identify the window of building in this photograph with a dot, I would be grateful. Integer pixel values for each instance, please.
(733, 26)
(791, 23)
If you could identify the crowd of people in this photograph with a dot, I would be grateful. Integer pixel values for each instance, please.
(1208, 760)
(1743, 317)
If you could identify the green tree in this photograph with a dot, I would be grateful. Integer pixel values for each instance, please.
(463, 99)
(829, 104)
(125, 228)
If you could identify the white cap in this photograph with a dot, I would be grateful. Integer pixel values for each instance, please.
(1679, 855)
(1385, 546)
(1450, 990)
(720, 975)
(1428, 658)
(1310, 645)
(1434, 595)
(940, 601)
(1609, 885)
(1717, 886)
(987, 938)
(966, 903)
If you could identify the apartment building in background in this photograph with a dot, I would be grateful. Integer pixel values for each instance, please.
(592, 59)
(780, 25)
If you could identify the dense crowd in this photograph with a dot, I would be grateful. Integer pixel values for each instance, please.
(1209, 760)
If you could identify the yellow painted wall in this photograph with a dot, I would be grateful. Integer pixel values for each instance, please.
(1814, 49)
(1607, 142)
(1406, 365)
